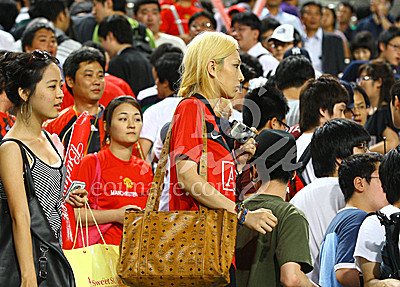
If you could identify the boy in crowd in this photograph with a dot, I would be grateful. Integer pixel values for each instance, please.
(371, 235)
(388, 45)
(362, 190)
(322, 199)
(281, 256)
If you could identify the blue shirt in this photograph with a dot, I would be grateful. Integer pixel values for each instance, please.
(338, 246)
(368, 24)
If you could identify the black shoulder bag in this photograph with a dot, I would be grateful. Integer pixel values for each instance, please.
(52, 268)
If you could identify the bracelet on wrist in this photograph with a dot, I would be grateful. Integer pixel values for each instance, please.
(239, 207)
(242, 218)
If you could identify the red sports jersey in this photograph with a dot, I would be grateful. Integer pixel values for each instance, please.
(111, 91)
(187, 140)
(121, 84)
(6, 123)
(121, 183)
(168, 23)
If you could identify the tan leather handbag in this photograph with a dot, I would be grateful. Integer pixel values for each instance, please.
(177, 248)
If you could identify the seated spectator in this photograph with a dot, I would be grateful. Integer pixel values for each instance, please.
(148, 13)
(175, 18)
(167, 81)
(362, 190)
(363, 47)
(284, 38)
(246, 30)
(291, 76)
(200, 22)
(84, 78)
(115, 179)
(39, 36)
(326, 49)
(283, 255)
(133, 67)
(376, 78)
(321, 100)
(336, 140)
(389, 48)
(379, 20)
(328, 24)
(358, 107)
(268, 25)
(371, 235)
(56, 11)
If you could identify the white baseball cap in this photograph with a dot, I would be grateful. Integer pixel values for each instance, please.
(284, 33)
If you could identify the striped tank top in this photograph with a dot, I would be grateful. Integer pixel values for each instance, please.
(49, 185)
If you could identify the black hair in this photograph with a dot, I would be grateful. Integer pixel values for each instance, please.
(95, 45)
(395, 91)
(167, 68)
(332, 9)
(161, 50)
(258, 109)
(357, 165)
(206, 14)
(49, 9)
(21, 70)
(387, 35)
(144, 2)
(389, 174)
(247, 19)
(80, 7)
(253, 63)
(357, 88)
(379, 69)
(308, 4)
(297, 37)
(108, 113)
(118, 5)
(30, 31)
(119, 26)
(293, 71)
(247, 71)
(268, 23)
(84, 54)
(347, 4)
(365, 40)
(335, 140)
(8, 14)
(322, 93)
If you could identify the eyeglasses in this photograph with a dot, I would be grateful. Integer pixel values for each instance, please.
(396, 47)
(38, 55)
(363, 146)
(287, 128)
(365, 78)
(201, 26)
(241, 87)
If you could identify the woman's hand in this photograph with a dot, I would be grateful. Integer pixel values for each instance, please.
(120, 213)
(245, 152)
(77, 198)
(261, 220)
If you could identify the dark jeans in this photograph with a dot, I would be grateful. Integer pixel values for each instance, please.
(232, 276)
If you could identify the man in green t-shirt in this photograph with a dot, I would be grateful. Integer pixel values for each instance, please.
(281, 257)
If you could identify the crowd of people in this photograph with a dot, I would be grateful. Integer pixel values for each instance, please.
(315, 86)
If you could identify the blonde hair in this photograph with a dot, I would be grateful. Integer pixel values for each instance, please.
(205, 47)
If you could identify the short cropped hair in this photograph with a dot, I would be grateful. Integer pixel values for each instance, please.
(84, 54)
(335, 140)
(357, 165)
(30, 31)
(118, 5)
(293, 72)
(322, 93)
(247, 19)
(258, 109)
(119, 26)
(387, 35)
(268, 23)
(49, 9)
(389, 174)
(347, 4)
(395, 91)
(253, 63)
(308, 4)
(161, 50)
(206, 14)
(144, 2)
(167, 68)
(8, 14)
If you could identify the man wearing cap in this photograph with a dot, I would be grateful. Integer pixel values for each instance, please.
(283, 40)
(282, 256)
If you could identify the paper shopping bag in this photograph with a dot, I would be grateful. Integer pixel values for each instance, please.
(95, 265)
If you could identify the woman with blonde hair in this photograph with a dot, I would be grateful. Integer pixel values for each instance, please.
(210, 71)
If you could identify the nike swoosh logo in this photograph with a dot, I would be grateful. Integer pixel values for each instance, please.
(214, 137)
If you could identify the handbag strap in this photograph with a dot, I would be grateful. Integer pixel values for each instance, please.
(158, 179)
(96, 180)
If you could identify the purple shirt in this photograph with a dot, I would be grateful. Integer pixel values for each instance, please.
(290, 9)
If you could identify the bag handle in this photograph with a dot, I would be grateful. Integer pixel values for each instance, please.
(79, 225)
(155, 191)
